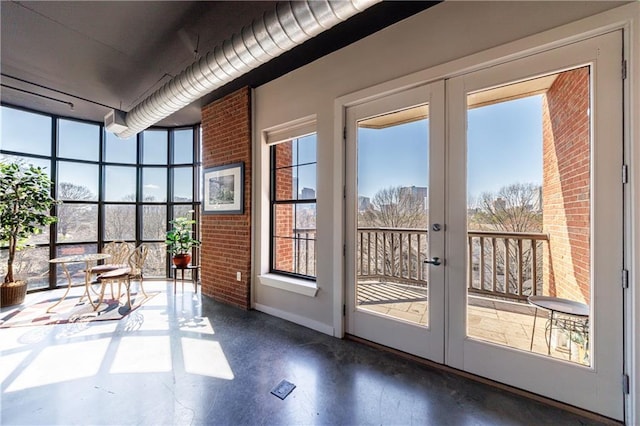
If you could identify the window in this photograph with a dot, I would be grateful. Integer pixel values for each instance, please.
(293, 207)
(111, 189)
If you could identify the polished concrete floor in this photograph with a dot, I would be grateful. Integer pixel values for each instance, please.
(187, 360)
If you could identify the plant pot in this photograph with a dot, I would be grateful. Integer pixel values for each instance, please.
(12, 293)
(181, 260)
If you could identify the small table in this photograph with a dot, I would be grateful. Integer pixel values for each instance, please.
(194, 276)
(87, 259)
(563, 307)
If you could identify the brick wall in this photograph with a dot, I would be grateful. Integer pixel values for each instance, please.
(226, 239)
(566, 189)
(284, 247)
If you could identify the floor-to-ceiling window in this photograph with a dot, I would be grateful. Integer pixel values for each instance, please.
(109, 188)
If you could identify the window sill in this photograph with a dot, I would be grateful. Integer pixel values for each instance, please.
(294, 285)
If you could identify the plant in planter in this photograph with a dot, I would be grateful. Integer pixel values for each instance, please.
(25, 204)
(180, 241)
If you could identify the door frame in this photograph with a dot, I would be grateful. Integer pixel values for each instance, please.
(524, 369)
(424, 341)
(626, 18)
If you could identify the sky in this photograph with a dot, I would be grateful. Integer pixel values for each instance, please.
(504, 146)
(31, 133)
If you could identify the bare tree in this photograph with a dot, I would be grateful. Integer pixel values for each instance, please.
(395, 207)
(396, 250)
(71, 191)
(513, 208)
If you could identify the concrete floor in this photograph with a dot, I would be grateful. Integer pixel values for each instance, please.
(187, 360)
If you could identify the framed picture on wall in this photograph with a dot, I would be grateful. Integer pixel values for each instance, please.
(223, 189)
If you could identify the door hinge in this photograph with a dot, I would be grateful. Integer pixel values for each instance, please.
(625, 278)
(625, 173)
(625, 384)
(344, 249)
(344, 192)
(344, 310)
(624, 69)
(344, 133)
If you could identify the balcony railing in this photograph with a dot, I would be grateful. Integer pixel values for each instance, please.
(507, 265)
(392, 254)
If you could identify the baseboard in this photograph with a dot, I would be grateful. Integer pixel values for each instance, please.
(296, 319)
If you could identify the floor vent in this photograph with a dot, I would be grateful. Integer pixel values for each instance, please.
(283, 389)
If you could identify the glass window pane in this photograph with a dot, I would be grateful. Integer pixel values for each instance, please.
(77, 181)
(306, 149)
(119, 222)
(31, 265)
(77, 222)
(27, 161)
(25, 131)
(120, 150)
(154, 148)
(183, 146)
(76, 270)
(154, 184)
(154, 222)
(78, 140)
(120, 183)
(183, 210)
(156, 262)
(286, 184)
(182, 184)
(307, 182)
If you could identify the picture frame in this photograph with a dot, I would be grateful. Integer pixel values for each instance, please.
(223, 189)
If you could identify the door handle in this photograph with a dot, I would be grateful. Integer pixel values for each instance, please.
(433, 261)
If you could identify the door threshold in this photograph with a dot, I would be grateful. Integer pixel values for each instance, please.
(520, 392)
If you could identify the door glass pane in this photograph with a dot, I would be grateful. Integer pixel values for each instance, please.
(391, 237)
(528, 215)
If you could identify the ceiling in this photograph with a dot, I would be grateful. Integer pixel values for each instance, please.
(108, 55)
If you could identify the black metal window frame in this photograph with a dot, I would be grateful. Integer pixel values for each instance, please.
(274, 202)
(101, 163)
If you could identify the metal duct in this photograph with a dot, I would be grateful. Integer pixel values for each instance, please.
(290, 24)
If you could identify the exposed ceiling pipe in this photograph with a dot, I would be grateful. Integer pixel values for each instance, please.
(289, 25)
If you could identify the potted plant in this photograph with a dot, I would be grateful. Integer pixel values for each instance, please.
(180, 240)
(25, 205)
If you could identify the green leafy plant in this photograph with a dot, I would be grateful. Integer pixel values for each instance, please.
(179, 240)
(25, 205)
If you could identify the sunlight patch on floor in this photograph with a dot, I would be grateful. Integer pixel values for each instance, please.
(205, 357)
(148, 354)
(59, 363)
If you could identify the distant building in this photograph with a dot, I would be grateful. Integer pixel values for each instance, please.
(308, 193)
(420, 193)
(363, 203)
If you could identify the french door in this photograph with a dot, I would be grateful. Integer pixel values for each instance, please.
(489, 238)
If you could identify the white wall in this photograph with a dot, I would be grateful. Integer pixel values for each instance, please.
(433, 44)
